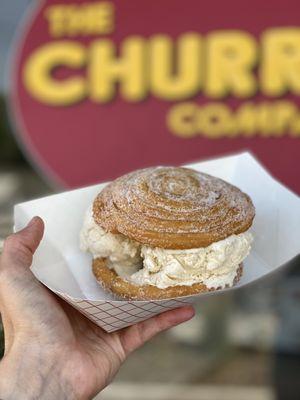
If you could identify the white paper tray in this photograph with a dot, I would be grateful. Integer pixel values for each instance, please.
(63, 268)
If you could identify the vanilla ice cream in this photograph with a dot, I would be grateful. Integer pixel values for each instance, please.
(123, 254)
(215, 265)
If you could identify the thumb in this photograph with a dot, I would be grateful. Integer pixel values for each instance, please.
(19, 247)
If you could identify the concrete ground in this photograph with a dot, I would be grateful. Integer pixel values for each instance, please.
(132, 391)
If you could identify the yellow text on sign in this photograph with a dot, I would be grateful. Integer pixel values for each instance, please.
(80, 19)
(216, 120)
(220, 64)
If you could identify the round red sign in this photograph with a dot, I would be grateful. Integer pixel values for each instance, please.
(103, 87)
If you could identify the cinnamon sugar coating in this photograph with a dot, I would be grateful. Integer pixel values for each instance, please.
(173, 208)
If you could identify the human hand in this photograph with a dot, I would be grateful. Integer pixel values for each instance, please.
(51, 350)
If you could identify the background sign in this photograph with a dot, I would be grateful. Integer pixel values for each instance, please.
(103, 87)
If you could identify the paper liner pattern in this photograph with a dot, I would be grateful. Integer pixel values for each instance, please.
(114, 315)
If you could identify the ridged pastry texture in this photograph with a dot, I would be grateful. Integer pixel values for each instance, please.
(173, 208)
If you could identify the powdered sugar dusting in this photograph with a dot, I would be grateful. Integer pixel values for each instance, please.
(170, 207)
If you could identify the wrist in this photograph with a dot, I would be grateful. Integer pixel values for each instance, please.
(30, 377)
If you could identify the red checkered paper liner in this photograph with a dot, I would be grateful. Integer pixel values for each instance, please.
(114, 315)
(63, 268)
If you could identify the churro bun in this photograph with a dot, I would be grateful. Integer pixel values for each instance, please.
(123, 288)
(173, 208)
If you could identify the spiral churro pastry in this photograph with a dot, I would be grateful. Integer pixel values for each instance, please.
(173, 208)
(165, 232)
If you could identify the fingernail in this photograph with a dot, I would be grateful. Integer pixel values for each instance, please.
(32, 221)
(189, 311)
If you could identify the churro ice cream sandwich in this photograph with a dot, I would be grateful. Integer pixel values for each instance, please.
(165, 232)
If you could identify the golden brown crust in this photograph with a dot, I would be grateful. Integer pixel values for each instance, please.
(173, 208)
(113, 283)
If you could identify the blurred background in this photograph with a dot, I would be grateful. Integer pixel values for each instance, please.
(243, 346)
